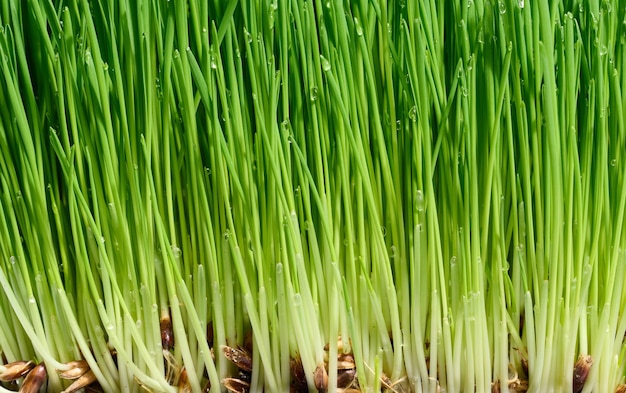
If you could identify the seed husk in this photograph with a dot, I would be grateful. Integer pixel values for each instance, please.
(35, 379)
(16, 370)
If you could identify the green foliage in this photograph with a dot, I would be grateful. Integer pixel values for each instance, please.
(439, 183)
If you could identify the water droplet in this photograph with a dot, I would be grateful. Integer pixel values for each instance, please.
(398, 125)
(393, 252)
(32, 300)
(470, 3)
(297, 300)
(227, 235)
(325, 63)
(109, 326)
(419, 200)
(247, 35)
(358, 27)
(105, 66)
(176, 54)
(313, 93)
(271, 18)
(213, 63)
(176, 251)
(383, 229)
(520, 4)
(453, 261)
(501, 7)
(464, 91)
(413, 113)
(102, 239)
(285, 125)
(13, 259)
(613, 162)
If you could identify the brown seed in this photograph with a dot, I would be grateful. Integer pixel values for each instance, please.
(183, 382)
(519, 386)
(240, 357)
(167, 333)
(245, 376)
(581, 371)
(345, 361)
(345, 378)
(75, 369)
(298, 378)
(320, 377)
(85, 380)
(35, 379)
(236, 385)
(15, 370)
